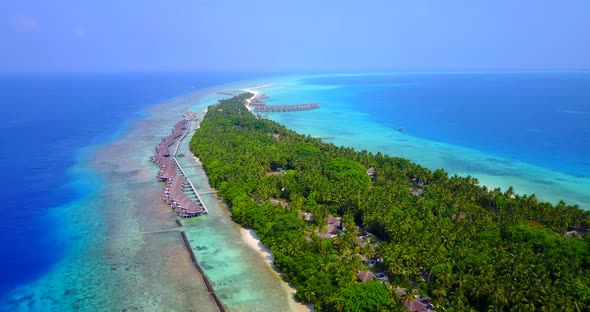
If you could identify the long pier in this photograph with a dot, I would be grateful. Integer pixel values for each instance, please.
(203, 275)
(184, 172)
(259, 105)
(189, 115)
(179, 140)
(228, 93)
(285, 108)
(257, 102)
(174, 195)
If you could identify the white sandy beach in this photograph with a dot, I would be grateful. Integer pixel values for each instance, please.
(252, 240)
(248, 101)
(255, 92)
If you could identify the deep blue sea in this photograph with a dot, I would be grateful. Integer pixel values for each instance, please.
(46, 120)
(540, 118)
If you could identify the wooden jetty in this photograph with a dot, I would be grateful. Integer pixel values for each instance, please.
(257, 102)
(171, 172)
(200, 200)
(228, 93)
(189, 115)
(203, 276)
(285, 108)
(325, 137)
(259, 105)
(178, 184)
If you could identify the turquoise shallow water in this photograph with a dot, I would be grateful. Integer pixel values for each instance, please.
(56, 201)
(113, 262)
(126, 252)
(340, 118)
(238, 273)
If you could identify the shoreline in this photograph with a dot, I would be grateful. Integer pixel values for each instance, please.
(250, 238)
(220, 212)
(129, 172)
(257, 202)
(255, 94)
(200, 270)
(491, 170)
(122, 253)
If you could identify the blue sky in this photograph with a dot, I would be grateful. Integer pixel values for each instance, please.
(286, 35)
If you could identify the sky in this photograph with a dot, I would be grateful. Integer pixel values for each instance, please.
(288, 35)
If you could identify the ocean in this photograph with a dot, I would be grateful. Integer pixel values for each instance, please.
(51, 122)
(530, 131)
(539, 118)
(80, 203)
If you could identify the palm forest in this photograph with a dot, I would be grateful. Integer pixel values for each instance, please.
(358, 231)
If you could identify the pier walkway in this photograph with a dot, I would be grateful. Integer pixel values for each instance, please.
(180, 192)
(228, 93)
(189, 115)
(285, 108)
(258, 105)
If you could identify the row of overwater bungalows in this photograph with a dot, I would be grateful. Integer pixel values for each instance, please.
(174, 196)
(173, 193)
(178, 131)
(285, 108)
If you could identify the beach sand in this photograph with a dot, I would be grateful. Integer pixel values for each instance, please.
(252, 240)
(248, 101)
(130, 254)
(127, 253)
(241, 279)
(255, 94)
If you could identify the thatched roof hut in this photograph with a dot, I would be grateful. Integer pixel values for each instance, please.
(365, 276)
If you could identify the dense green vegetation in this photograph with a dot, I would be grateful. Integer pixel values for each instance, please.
(485, 250)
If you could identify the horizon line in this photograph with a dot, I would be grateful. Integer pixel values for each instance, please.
(350, 72)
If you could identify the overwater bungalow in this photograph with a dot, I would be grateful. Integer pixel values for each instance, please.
(165, 175)
(285, 108)
(173, 193)
(257, 102)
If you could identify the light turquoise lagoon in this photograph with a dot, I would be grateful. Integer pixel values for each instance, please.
(340, 117)
(130, 254)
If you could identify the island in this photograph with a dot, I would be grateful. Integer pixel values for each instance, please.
(358, 231)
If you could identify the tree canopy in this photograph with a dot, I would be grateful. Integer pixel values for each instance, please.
(464, 246)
